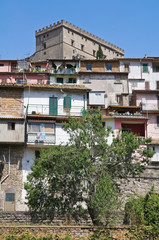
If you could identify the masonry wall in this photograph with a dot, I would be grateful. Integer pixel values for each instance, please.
(99, 66)
(11, 101)
(11, 180)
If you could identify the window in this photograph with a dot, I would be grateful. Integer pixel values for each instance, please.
(44, 53)
(67, 102)
(89, 67)
(11, 126)
(38, 68)
(118, 98)
(109, 67)
(68, 31)
(72, 80)
(40, 127)
(1, 65)
(134, 83)
(37, 154)
(10, 197)
(72, 42)
(19, 81)
(59, 80)
(145, 67)
(72, 33)
(82, 47)
(94, 53)
(126, 67)
(44, 45)
(157, 84)
(157, 121)
(155, 68)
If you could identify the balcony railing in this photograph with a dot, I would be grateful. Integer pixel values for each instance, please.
(39, 109)
(63, 71)
(41, 138)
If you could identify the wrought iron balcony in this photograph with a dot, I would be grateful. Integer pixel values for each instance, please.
(40, 138)
(39, 109)
(64, 71)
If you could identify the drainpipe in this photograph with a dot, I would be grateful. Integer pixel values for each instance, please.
(6, 175)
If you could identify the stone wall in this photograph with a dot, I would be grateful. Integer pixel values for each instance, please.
(11, 101)
(11, 179)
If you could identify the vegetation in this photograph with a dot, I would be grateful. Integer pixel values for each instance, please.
(79, 179)
(100, 54)
(143, 213)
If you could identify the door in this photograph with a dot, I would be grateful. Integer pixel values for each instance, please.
(53, 104)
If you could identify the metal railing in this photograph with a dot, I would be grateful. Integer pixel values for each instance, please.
(63, 71)
(40, 138)
(39, 109)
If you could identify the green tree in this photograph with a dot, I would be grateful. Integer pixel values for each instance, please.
(100, 54)
(79, 178)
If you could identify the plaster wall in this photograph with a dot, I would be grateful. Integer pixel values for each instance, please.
(152, 128)
(112, 85)
(149, 101)
(30, 78)
(61, 136)
(6, 67)
(42, 97)
(11, 136)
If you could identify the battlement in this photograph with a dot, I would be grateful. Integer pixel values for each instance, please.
(81, 31)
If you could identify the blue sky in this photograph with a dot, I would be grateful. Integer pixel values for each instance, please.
(129, 24)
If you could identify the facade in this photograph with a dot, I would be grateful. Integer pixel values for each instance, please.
(35, 98)
(62, 40)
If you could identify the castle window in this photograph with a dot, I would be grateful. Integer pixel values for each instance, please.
(68, 31)
(82, 47)
(11, 126)
(94, 53)
(72, 33)
(44, 45)
(72, 42)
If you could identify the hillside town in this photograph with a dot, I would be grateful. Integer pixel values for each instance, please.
(64, 78)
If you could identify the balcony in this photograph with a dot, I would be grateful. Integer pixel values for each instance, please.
(40, 138)
(39, 109)
(63, 71)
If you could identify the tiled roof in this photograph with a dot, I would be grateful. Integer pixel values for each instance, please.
(53, 86)
(11, 117)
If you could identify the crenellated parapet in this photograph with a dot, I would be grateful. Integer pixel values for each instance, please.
(78, 30)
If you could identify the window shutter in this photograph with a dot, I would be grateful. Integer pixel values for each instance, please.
(67, 102)
(157, 84)
(145, 67)
(147, 86)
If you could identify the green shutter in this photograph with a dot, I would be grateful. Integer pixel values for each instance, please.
(145, 67)
(67, 102)
(53, 106)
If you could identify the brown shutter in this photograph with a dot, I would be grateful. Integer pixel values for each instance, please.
(147, 85)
